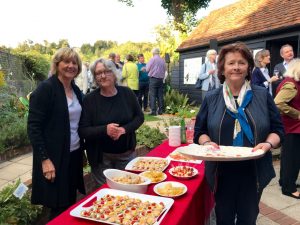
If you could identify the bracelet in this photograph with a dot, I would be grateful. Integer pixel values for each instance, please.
(205, 142)
(269, 144)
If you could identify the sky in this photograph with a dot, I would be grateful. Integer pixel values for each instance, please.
(84, 21)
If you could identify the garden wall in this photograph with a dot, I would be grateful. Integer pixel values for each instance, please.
(14, 71)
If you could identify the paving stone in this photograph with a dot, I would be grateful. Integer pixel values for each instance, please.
(267, 210)
(4, 164)
(26, 161)
(13, 171)
(276, 216)
(25, 177)
(21, 157)
(287, 221)
(265, 221)
(2, 182)
(293, 210)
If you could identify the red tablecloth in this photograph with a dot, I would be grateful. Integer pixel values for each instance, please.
(193, 208)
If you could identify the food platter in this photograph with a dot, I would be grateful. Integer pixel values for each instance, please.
(140, 164)
(162, 203)
(177, 156)
(183, 172)
(171, 189)
(225, 153)
(154, 176)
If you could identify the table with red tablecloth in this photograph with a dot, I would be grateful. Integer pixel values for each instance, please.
(192, 208)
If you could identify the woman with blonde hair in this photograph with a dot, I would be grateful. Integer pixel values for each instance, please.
(288, 103)
(54, 113)
(260, 75)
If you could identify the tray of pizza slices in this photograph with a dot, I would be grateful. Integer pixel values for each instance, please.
(117, 207)
(223, 153)
(177, 156)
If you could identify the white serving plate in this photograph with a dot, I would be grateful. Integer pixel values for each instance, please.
(130, 165)
(164, 176)
(225, 153)
(168, 202)
(178, 159)
(174, 184)
(114, 173)
(195, 172)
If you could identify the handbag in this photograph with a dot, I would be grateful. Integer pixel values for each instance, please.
(199, 82)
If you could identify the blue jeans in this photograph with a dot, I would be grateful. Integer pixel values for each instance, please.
(143, 95)
(156, 89)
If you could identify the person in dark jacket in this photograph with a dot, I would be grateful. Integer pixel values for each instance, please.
(260, 75)
(54, 114)
(111, 115)
(143, 83)
(238, 114)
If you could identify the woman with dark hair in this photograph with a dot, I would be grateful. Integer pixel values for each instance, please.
(54, 113)
(238, 114)
(111, 114)
(130, 74)
(288, 101)
(260, 74)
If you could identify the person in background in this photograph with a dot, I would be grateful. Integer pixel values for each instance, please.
(54, 113)
(143, 83)
(238, 114)
(260, 75)
(156, 69)
(208, 73)
(118, 61)
(111, 115)
(287, 53)
(288, 103)
(130, 74)
(82, 79)
(112, 57)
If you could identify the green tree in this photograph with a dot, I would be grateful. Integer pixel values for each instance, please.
(183, 11)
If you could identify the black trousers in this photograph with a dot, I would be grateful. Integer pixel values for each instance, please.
(143, 95)
(290, 162)
(237, 197)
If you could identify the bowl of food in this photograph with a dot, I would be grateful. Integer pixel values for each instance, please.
(126, 181)
(154, 176)
(170, 189)
(183, 172)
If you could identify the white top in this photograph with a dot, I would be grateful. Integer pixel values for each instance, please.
(74, 108)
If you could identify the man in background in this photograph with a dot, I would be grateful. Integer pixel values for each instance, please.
(287, 53)
(156, 69)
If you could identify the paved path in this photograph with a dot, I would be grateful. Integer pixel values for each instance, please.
(275, 208)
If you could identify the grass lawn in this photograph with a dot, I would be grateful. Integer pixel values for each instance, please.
(151, 118)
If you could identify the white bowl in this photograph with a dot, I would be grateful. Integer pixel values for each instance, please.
(174, 184)
(114, 173)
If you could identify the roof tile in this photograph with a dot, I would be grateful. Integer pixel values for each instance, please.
(244, 18)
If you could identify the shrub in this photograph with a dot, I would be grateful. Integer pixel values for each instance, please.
(175, 101)
(150, 137)
(36, 64)
(15, 210)
(2, 79)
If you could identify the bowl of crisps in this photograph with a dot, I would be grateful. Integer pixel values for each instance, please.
(154, 176)
(170, 189)
(126, 181)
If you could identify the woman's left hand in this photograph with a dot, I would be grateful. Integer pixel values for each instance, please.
(265, 146)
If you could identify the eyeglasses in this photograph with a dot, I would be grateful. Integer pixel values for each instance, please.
(104, 72)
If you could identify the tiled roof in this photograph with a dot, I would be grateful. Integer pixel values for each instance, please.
(243, 18)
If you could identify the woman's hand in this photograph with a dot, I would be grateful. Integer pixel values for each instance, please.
(48, 170)
(114, 131)
(265, 146)
(274, 78)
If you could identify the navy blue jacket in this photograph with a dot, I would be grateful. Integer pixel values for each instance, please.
(264, 116)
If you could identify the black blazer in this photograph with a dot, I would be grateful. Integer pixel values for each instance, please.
(258, 78)
(49, 134)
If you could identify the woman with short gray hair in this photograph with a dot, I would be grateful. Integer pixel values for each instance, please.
(208, 73)
(110, 116)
